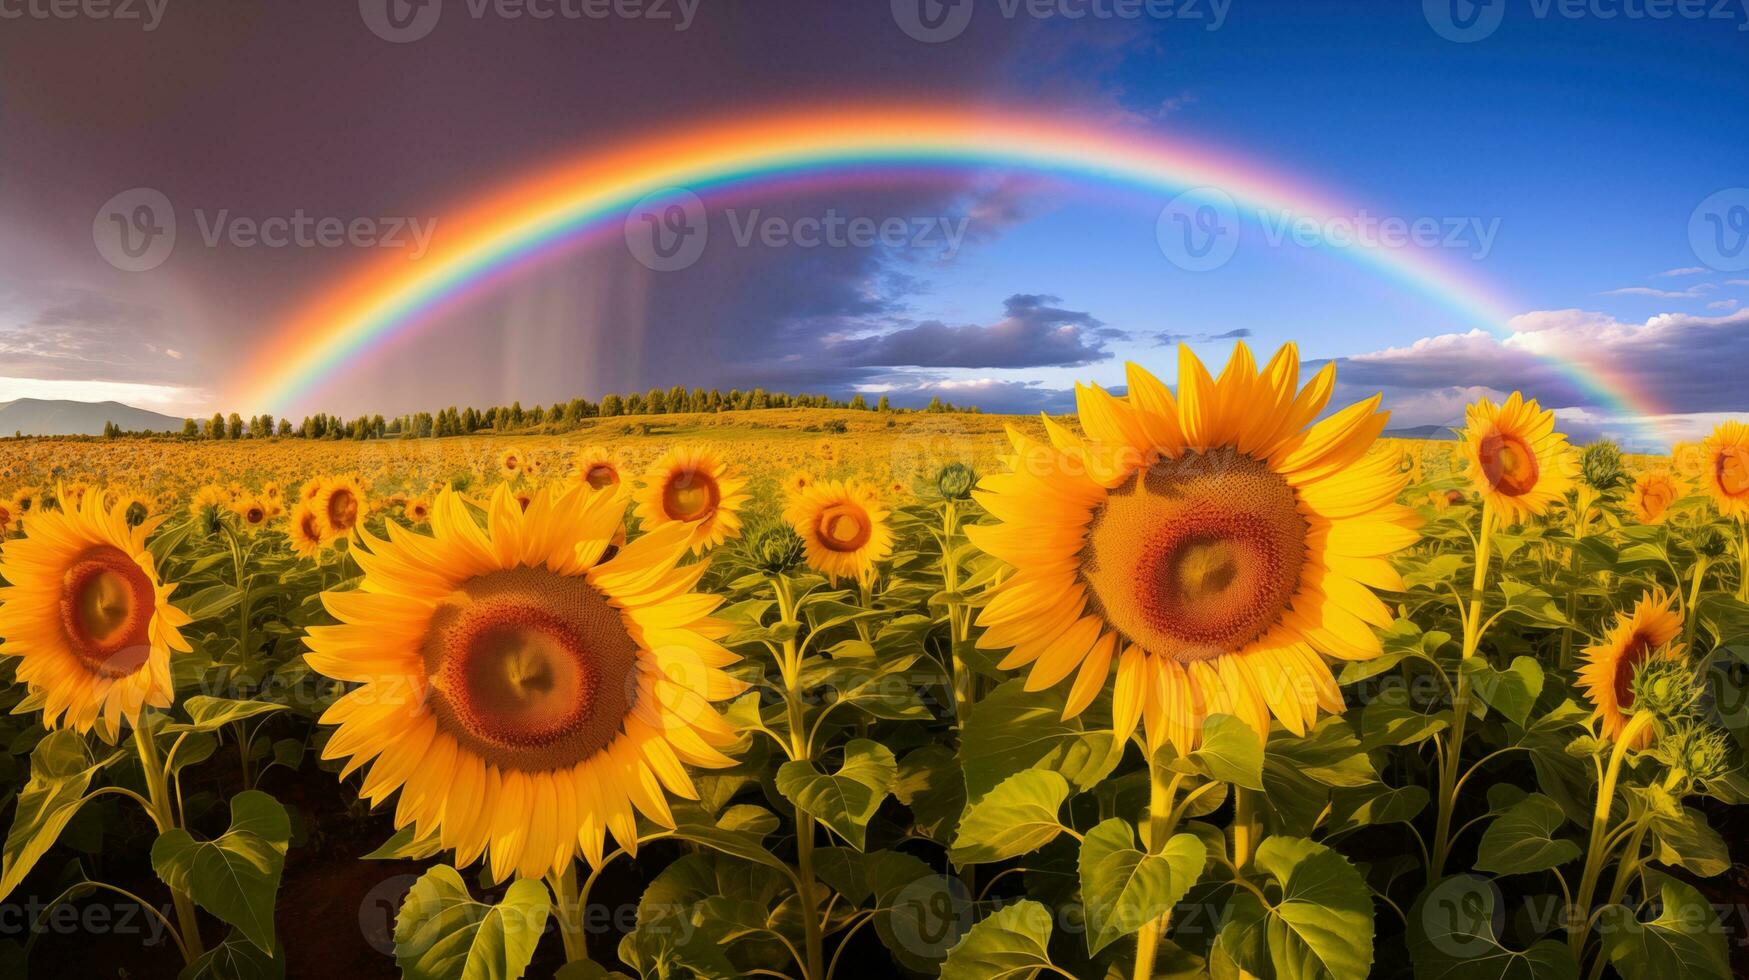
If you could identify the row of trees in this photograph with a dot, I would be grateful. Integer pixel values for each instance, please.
(560, 417)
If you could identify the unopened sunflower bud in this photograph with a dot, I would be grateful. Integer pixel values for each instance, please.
(1665, 687)
(955, 481)
(1706, 752)
(775, 547)
(1602, 467)
(1711, 543)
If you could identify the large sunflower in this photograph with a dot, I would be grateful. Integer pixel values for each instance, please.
(1518, 462)
(87, 618)
(843, 527)
(1725, 468)
(690, 486)
(1608, 674)
(305, 528)
(523, 693)
(1209, 545)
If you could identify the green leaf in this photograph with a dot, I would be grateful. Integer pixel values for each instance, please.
(1299, 773)
(403, 846)
(1454, 935)
(209, 714)
(1011, 730)
(1531, 604)
(236, 876)
(587, 970)
(209, 602)
(1685, 940)
(1231, 752)
(60, 772)
(929, 782)
(1124, 889)
(1522, 839)
(693, 824)
(1017, 817)
(846, 800)
(441, 933)
(1513, 691)
(235, 959)
(1384, 723)
(1374, 805)
(1689, 841)
(1010, 943)
(1323, 923)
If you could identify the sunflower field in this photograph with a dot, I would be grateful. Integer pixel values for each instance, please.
(1210, 679)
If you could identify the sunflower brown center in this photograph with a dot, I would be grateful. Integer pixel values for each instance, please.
(1509, 464)
(342, 510)
(106, 611)
(531, 669)
(600, 475)
(842, 527)
(1638, 648)
(1197, 556)
(690, 496)
(1732, 467)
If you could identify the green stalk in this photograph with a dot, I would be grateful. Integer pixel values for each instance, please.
(568, 908)
(1581, 513)
(958, 620)
(1743, 560)
(1161, 791)
(164, 815)
(1579, 921)
(800, 750)
(1690, 612)
(1460, 704)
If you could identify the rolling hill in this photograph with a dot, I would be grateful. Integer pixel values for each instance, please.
(46, 417)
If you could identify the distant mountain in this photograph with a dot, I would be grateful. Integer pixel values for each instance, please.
(1442, 432)
(55, 417)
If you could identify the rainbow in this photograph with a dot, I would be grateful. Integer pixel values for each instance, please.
(573, 200)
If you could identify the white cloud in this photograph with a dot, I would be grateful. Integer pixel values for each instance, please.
(1689, 270)
(169, 399)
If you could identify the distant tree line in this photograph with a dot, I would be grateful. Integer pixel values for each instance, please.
(559, 417)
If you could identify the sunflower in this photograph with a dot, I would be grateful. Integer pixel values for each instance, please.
(1519, 464)
(523, 693)
(340, 506)
(796, 482)
(597, 466)
(1209, 545)
(86, 616)
(307, 538)
(1725, 471)
(691, 486)
(253, 513)
(511, 463)
(843, 527)
(208, 508)
(418, 510)
(1608, 674)
(1653, 494)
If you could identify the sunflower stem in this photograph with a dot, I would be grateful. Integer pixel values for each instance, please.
(1246, 830)
(1460, 701)
(1690, 613)
(164, 814)
(1162, 790)
(569, 912)
(958, 622)
(1596, 854)
(800, 751)
(1581, 515)
(1743, 560)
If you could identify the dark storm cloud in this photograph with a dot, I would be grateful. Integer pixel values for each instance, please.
(1032, 333)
